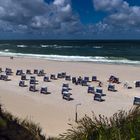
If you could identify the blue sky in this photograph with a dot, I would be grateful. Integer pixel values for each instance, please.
(70, 19)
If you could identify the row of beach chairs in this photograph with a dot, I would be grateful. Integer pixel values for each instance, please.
(32, 87)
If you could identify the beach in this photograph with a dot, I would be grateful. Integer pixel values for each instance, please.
(50, 111)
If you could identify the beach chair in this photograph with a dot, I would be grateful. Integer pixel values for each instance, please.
(4, 77)
(136, 101)
(33, 77)
(64, 89)
(19, 72)
(52, 76)
(84, 83)
(59, 75)
(35, 71)
(46, 79)
(90, 89)
(94, 78)
(79, 80)
(41, 73)
(33, 80)
(8, 71)
(98, 97)
(86, 79)
(63, 74)
(44, 90)
(111, 87)
(74, 81)
(66, 95)
(68, 78)
(113, 79)
(28, 71)
(0, 70)
(22, 84)
(23, 77)
(32, 88)
(137, 84)
(100, 91)
(65, 85)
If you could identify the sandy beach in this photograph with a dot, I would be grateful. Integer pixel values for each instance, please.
(50, 111)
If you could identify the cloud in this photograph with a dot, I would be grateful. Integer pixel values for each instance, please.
(107, 5)
(122, 18)
(37, 16)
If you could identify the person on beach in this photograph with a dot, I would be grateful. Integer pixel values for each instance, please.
(100, 84)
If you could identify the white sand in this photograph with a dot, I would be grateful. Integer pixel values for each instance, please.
(51, 111)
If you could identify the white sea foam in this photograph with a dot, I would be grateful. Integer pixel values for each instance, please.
(6, 50)
(97, 59)
(55, 46)
(97, 47)
(21, 46)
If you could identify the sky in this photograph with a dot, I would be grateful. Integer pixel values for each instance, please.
(69, 19)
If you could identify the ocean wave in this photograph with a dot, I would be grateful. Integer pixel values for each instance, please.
(97, 47)
(55, 46)
(97, 59)
(6, 50)
(21, 46)
(5, 44)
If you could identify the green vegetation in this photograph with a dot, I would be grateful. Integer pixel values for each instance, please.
(122, 126)
(12, 128)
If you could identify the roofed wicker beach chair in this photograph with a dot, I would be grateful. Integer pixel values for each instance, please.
(84, 83)
(8, 71)
(52, 76)
(32, 88)
(22, 83)
(28, 71)
(46, 79)
(4, 77)
(113, 79)
(67, 96)
(86, 79)
(90, 89)
(63, 74)
(137, 84)
(79, 80)
(64, 89)
(33, 80)
(99, 90)
(35, 71)
(68, 78)
(19, 72)
(44, 90)
(74, 81)
(23, 77)
(98, 97)
(136, 101)
(41, 73)
(59, 75)
(111, 88)
(65, 85)
(94, 78)
(0, 70)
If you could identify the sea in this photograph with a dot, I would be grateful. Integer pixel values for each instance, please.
(99, 51)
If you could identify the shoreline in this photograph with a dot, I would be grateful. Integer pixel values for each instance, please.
(51, 111)
(69, 61)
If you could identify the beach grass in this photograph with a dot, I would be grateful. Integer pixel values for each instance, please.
(13, 128)
(121, 126)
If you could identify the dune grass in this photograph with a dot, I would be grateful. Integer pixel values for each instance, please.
(121, 126)
(12, 128)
